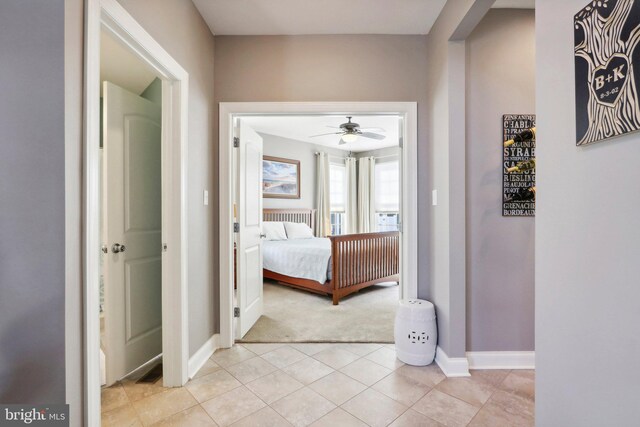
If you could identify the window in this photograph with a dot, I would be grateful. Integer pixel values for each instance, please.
(387, 189)
(338, 225)
(387, 221)
(337, 191)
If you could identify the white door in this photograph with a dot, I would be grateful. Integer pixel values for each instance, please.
(404, 292)
(131, 231)
(249, 243)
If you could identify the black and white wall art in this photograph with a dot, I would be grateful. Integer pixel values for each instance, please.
(517, 183)
(606, 34)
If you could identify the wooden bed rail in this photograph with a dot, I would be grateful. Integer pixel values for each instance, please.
(361, 260)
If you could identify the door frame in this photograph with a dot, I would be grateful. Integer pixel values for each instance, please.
(409, 250)
(109, 15)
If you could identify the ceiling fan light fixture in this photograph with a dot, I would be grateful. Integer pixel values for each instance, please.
(350, 137)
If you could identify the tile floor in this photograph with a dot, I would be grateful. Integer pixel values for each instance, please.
(333, 385)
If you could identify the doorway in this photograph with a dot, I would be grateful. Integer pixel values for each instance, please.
(130, 222)
(353, 163)
(168, 245)
(236, 115)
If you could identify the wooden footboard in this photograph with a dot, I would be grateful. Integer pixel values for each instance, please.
(361, 260)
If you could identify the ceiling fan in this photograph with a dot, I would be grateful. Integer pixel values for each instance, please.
(350, 132)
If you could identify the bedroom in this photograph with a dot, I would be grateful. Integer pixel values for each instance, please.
(331, 222)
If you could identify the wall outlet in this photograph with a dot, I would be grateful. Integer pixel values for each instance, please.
(434, 197)
(205, 198)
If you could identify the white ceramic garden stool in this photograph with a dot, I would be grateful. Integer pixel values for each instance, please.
(415, 332)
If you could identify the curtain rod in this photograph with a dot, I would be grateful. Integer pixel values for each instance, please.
(386, 157)
(375, 157)
(329, 155)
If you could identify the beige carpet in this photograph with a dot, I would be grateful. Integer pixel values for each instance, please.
(292, 315)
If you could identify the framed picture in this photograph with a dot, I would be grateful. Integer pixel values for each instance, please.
(514, 184)
(606, 35)
(280, 178)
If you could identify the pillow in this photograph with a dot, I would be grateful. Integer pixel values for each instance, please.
(274, 230)
(297, 230)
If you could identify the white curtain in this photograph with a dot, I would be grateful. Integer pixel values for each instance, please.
(351, 205)
(323, 202)
(366, 195)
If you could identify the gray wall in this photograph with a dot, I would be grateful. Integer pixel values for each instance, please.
(500, 250)
(333, 68)
(445, 117)
(32, 207)
(587, 250)
(178, 27)
(278, 146)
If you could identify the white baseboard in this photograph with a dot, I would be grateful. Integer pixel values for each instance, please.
(452, 366)
(501, 359)
(203, 354)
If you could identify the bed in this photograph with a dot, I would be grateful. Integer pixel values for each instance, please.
(337, 265)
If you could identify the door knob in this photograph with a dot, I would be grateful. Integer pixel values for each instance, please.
(263, 236)
(117, 247)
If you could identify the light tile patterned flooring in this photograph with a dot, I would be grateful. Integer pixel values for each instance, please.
(333, 385)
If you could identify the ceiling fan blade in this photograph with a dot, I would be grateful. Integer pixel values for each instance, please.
(373, 135)
(373, 130)
(325, 134)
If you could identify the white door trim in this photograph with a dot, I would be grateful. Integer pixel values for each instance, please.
(409, 250)
(110, 16)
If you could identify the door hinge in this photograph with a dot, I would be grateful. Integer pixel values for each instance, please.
(236, 142)
(236, 227)
(236, 311)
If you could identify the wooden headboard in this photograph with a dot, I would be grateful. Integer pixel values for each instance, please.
(306, 216)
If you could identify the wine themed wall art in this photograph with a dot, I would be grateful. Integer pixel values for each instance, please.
(606, 34)
(519, 162)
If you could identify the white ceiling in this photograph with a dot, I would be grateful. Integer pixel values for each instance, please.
(515, 4)
(301, 128)
(294, 17)
(121, 67)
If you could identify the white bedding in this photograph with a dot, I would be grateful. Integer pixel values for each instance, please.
(302, 258)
